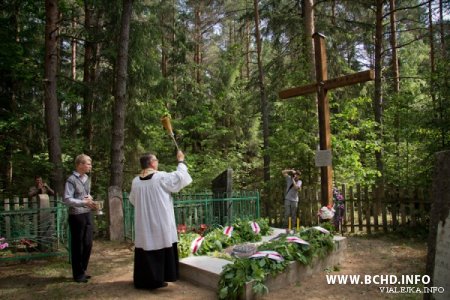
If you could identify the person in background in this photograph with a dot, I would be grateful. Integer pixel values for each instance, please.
(77, 196)
(293, 184)
(156, 254)
(40, 187)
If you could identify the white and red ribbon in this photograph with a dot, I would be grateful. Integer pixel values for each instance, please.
(196, 244)
(294, 239)
(228, 230)
(255, 227)
(321, 229)
(273, 255)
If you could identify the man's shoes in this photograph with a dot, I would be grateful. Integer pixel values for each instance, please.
(81, 279)
(88, 276)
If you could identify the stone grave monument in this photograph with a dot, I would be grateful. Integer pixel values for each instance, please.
(438, 258)
(46, 227)
(222, 187)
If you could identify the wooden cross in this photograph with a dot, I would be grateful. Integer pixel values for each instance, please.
(321, 86)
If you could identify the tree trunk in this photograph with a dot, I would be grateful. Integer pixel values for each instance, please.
(263, 96)
(198, 41)
(309, 28)
(308, 24)
(433, 86)
(164, 46)
(73, 106)
(51, 101)
(117, 152)
(116, 229)
(395, 70)
(430, 30)
(395, 75)
(441, 17)
(11, 90)
(88, 78)
(247, 49)
(378, 97)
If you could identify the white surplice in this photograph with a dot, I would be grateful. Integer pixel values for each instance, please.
(154, 216)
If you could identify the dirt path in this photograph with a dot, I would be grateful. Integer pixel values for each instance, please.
(112, 268)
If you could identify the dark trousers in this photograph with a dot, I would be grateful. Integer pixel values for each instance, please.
(81, 230)
(153, 268)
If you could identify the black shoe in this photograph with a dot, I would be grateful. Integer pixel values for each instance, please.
(81, 280)
(164, 284)
(88, 276)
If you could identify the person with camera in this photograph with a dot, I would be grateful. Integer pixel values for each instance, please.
(40, 187)
(293, 184)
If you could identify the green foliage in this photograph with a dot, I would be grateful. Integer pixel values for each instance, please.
(216, 117)
(184, 243)
(354, 141)
(216, 240)
(235, 276)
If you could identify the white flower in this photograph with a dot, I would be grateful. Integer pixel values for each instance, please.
(326, 213)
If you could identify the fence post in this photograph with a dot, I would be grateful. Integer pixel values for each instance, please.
(384, 210)
(34, 206)
(7, 220)
(402, 206)
(395, 202)
(368, 209)
(359, 196)
(421, 199)
(343, 223)
(375, 205)
(26, 216)
(116, 230)
(309, 206)
(16, 218)
(352, 209)
(412, 196)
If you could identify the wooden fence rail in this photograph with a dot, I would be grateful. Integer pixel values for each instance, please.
(366, 208)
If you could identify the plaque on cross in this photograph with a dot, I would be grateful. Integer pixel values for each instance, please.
(321, 86)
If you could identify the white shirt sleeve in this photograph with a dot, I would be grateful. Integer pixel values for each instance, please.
(176, 180)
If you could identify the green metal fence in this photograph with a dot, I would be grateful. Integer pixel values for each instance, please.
(32, 230)
(193, 210)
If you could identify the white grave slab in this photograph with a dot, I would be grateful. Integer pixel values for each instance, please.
(205, 270)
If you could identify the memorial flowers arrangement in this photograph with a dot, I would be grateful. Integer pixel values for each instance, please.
(272, 258)
(219, 238)
(3, 246)
(3, 243)
(326, 212)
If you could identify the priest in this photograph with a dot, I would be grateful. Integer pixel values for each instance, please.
(156, 254)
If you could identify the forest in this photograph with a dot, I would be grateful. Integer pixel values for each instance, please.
(96, 76)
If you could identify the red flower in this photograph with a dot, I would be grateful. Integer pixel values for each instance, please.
(203, 227)
(181, 228)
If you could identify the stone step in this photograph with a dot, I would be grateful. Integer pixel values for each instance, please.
(205, 270)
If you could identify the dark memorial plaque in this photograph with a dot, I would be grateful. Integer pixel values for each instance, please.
(222, 187)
